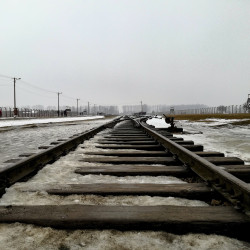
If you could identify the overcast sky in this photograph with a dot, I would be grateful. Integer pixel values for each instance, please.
(125, 51)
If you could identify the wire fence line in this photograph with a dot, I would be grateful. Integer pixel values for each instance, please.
(231, 109)
(6, 112)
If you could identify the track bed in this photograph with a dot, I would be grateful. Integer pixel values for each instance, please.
(130, 148)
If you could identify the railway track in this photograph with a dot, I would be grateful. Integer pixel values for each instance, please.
(130, 147)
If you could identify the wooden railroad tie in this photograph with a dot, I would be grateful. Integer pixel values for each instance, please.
(175, 219)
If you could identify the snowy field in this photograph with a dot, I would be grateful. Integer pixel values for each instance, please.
(19, 139)
(23, 122)
(21, 236)
(232, 140)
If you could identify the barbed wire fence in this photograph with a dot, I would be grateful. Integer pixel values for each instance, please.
(8, 112)
(231, 109)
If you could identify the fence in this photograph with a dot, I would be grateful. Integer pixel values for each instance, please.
(232, 109)
(6, 112)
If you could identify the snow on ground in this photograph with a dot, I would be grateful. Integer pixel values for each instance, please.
(34, 237)
(158, 122)
(22, 122)
(22, 236)
(216, 122)
(233, 140)
(21, 140)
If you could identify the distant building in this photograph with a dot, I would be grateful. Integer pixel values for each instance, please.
(140, 114)
(172, 110)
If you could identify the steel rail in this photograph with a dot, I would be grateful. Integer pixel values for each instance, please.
(29, 166)
(230, 187)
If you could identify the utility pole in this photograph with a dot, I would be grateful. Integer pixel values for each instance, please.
(15, 108)
(77, 105)
(58, 111)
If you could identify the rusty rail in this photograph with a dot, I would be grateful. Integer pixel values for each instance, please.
(230, 187)
(29, 166)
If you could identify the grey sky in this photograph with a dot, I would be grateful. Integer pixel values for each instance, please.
(122, 52)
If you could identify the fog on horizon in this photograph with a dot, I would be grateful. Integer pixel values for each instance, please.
(124, 52)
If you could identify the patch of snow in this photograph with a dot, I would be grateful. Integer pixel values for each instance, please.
(158, 122)
(216, 122)
(21, 122)
(20, 140)
(233, 141)
(21, 236)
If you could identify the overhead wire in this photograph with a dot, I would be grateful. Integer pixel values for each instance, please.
(34, 86)
(46, 90)
(6, 80)
(5, 85)
(28, 83)
(32, 92)
(68, 97)
(1, 75)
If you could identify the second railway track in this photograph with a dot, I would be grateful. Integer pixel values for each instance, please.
(129, 147)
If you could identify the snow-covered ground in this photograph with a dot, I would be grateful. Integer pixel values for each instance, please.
(158, 122)
(232, 140)
(25, 237)
(22, 122)
(21, 236)
(41, 132)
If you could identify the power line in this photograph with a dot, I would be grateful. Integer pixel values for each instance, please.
(34, 86)
(32, 92)
(68, 97)
(6, 85)
(6, 76)
(6, 80)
